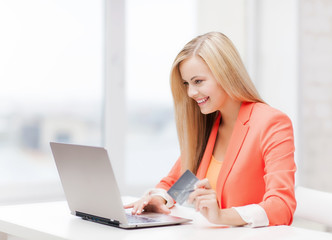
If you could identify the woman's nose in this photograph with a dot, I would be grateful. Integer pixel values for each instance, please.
(192, 91)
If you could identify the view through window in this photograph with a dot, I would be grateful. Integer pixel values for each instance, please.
(51, 71)
(155, 32)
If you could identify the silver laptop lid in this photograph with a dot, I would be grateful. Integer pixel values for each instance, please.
(88, 181)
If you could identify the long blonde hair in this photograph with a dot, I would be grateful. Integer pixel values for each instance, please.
(193, 127)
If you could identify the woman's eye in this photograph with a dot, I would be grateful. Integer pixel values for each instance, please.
(198, 81)
(185, 83)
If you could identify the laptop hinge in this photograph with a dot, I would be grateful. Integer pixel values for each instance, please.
(97, 219)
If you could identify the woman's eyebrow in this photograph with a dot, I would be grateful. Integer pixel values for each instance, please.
(194, 77)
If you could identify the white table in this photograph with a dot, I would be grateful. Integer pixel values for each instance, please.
(53, 221)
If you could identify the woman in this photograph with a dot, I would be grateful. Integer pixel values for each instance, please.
(241, 148)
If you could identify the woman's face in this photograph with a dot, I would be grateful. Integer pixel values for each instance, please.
(202, 86)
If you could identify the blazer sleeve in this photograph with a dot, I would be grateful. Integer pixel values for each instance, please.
(168, 181)
(277, 148)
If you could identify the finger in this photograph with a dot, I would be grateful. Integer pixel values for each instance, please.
(198, 201)
(203, 184)
(137, 209)
(191, 197)
(137, 205)
(205, 206)
(200, 192)
(134, 210)
(143, 203)
(140, 208)
(203, 191)
(129, 205)
(205, 202)
(203, 198)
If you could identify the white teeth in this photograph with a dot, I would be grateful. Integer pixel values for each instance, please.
(201, 101)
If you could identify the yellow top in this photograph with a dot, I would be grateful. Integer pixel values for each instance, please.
(213, 172)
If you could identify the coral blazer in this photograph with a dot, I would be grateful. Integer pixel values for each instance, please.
(258, 167)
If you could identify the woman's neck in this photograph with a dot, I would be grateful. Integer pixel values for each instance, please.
(229, 113)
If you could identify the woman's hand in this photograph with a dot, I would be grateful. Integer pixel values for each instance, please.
(205, 201)
(149, 203)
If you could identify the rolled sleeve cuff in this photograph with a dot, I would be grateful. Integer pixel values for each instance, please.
(254, 215)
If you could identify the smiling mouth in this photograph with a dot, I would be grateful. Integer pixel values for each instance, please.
(201, 101)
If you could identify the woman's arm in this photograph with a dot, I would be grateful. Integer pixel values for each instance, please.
(277, 146)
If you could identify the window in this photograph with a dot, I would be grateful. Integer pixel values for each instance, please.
(51, 71)
(155, 32)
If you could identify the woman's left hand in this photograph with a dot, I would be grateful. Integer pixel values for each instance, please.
(205, 201)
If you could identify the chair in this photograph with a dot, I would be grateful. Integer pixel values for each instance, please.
(314, 205)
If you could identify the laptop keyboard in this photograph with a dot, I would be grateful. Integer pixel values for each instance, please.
(139, 219)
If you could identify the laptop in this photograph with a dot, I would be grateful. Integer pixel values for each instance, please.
(92, 192)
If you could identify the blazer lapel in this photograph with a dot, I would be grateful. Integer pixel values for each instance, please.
(238, 136)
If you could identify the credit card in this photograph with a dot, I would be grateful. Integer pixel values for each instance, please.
(183, 187)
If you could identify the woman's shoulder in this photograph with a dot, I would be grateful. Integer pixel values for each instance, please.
(264, 113)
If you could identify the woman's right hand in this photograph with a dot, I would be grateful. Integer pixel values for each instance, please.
(149, 203)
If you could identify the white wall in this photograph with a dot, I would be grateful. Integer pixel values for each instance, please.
(316, 99)
(276, 61)
(228, 17)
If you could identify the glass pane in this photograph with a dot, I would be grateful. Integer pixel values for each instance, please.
(156, 31)
(51, 71)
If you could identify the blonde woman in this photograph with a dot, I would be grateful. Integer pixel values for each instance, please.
(240, 148)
